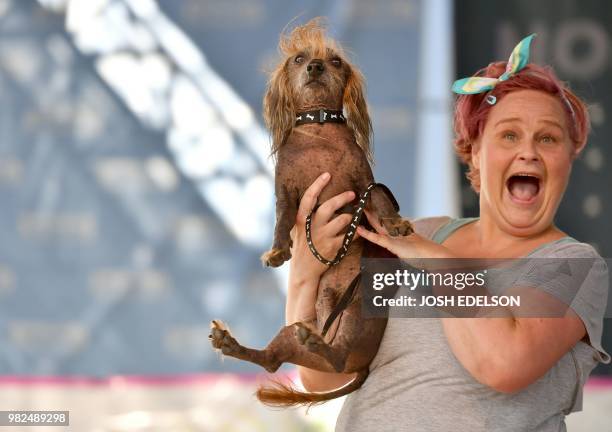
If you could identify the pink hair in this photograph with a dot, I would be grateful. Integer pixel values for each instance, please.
(472, 111)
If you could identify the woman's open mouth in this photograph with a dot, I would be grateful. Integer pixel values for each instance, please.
(523, 187)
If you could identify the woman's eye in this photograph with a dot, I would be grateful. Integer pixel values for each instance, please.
(510, 136)
(547, 139)
(336, 62)
(299, 59)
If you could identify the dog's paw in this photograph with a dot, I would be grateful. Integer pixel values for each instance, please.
(275, 257)
(220, 338)
(397, 226)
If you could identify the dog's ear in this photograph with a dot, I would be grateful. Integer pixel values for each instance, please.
(356, 110)
(278, 107)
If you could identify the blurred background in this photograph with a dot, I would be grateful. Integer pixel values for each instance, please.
(136, 192)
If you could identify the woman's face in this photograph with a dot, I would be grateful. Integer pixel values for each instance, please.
(524, 156)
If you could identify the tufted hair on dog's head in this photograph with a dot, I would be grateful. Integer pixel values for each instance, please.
(286, 92)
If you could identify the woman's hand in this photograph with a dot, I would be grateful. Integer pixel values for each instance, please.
(304, 269)
(412, 247)
(323, 229)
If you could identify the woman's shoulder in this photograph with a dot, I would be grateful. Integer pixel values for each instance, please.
(427, 226)
(566, 247)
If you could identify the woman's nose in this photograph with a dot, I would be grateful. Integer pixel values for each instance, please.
(528, 151)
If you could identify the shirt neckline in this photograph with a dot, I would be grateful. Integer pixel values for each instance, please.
(447, 229)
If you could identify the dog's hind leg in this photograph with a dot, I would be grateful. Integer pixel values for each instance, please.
(315, 344)
(283, 348)
(352, 333)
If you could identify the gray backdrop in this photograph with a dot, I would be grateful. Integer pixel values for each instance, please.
(112, 259)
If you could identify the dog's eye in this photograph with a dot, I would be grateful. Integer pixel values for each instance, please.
(299, 59)
(336, 62)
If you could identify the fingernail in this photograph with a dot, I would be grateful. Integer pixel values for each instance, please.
(325, 176)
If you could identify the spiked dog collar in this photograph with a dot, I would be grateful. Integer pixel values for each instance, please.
(319, 116)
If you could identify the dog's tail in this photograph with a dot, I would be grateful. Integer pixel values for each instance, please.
(283, 395)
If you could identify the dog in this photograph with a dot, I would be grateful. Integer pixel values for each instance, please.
(314, 79)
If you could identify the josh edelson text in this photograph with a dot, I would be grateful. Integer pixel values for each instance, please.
(468, 289)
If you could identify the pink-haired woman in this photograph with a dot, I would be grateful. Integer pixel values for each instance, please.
(519, 133)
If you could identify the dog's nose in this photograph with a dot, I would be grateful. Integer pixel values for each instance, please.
(315, 67)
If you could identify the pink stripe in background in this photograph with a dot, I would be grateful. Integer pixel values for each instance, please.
(136, 380)
(599, 383)
(594, 383)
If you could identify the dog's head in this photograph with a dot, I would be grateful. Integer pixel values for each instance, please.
(314, 73)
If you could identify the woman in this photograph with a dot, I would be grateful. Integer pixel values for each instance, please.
(519, 130)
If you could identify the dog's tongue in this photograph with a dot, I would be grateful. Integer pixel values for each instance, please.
(523, 188)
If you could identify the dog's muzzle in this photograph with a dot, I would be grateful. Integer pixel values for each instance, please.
(315, 68)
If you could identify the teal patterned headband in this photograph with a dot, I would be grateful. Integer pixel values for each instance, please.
(517, 61)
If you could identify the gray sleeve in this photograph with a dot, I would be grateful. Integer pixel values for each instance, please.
(578, 275)
(427, 227)
(590, 304)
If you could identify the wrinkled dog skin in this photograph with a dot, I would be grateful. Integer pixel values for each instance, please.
(315, 74)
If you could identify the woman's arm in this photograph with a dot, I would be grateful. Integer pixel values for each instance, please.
(305, 270)
(301, 297)
(508, 354)
(504, 353)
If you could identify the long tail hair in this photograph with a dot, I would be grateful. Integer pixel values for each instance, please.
(284, 395)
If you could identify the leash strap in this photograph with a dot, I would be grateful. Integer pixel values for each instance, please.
(350, 234)
(319, 116)
(343, 303)
(349, 293)
(348, 237)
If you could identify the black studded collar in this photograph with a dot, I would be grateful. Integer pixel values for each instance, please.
(319, 116)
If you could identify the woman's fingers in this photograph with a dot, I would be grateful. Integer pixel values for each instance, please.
(380, 239)
(309, 199)
(330, 248)
(327, 209)
(338, 223)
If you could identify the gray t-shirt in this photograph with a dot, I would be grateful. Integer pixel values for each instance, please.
(416, 384)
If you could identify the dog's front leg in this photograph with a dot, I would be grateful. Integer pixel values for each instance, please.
(388, 217)
(286, 212)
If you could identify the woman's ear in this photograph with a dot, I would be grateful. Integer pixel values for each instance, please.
(476, 153)
(473, 173)
(578, 147)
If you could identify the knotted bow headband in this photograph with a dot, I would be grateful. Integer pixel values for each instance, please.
(517, 61)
